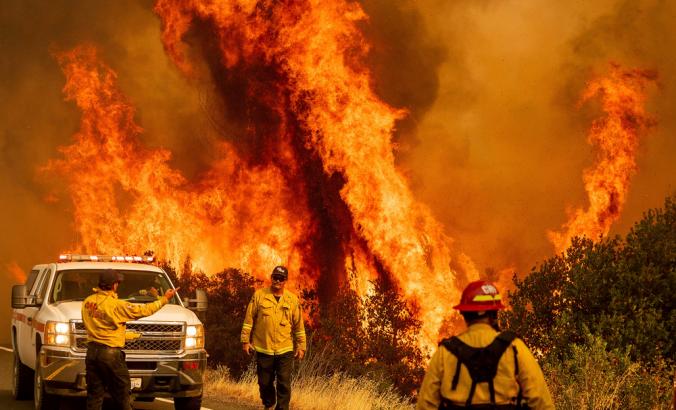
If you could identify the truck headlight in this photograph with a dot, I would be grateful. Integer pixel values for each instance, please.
(57, 333)
(194, 337)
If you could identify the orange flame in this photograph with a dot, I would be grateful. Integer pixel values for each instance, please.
(128, 200)
(17, 275)
(316, 48)
(319, 191)
(616, 137)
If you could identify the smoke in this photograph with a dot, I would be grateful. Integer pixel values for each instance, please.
(493, 142)
(36, 217)
(404, 60)
(503, 147)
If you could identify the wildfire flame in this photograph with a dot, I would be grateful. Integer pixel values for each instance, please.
(127, 199)
(310, 183)
(17, 275)
(616, 138)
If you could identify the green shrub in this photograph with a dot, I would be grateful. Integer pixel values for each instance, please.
(601, 317)
(621, 290)
(592, 377)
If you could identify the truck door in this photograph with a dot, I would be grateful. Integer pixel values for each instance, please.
(23, 331)
(27, 338)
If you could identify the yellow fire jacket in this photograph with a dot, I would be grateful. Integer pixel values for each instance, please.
(105, 317)
(273, 327)
(437, 381)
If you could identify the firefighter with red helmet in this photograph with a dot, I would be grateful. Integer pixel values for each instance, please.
(483, 368)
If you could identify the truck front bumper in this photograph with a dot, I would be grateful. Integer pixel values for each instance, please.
(181, 375)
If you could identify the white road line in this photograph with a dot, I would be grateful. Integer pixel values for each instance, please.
(172, 402)
(7, 349)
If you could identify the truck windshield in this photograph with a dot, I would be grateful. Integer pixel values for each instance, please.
(77, 284)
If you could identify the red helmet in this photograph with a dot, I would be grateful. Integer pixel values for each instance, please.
(478, 296)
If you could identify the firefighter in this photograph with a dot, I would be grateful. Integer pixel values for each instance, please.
(482, 368)
(273, 325)
(105, 317)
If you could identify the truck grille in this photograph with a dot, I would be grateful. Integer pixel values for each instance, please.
(143, 327)
(155, 337)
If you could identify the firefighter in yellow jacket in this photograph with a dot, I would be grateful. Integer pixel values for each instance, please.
(105, 317)
(482, 368)
(273, 328)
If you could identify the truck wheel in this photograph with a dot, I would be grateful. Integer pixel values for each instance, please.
(43, 400)
(188, 403)
(22, 380)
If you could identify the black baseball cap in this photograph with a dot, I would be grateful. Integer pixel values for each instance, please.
(281, 271)
(109, 277)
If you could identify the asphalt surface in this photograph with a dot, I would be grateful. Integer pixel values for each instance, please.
(7, 402)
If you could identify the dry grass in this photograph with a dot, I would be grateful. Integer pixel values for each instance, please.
(594, 379)
(310, 392)
(219, 384)
(593, 391)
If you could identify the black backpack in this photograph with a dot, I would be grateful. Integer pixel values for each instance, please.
(482, 364)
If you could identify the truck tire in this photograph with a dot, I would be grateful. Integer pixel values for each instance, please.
(22, 380)
(188, 403)
(43, 400)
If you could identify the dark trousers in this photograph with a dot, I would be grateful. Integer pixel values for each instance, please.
(268, 368)
(447, 405)
(107, 371)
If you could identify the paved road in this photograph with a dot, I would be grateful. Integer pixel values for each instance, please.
(8, 403)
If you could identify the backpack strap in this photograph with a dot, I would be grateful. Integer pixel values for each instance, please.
(519, 395)
(496, 349)
(463, 354)
(459, 350)
(472, 389)
(507, 335)
(456, 376)
(468, 356)
(491, 391)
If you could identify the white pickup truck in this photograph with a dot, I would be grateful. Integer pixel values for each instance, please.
(49, 338)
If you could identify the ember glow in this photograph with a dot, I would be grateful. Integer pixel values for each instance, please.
(310, 182)
(17, 275)
(616, 138)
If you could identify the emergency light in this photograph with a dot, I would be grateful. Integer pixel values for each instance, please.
(105, 258)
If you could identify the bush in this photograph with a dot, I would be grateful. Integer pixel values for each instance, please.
(376, 337)
(621, 290)
(229, 293)
(593, 378)
(601, 317)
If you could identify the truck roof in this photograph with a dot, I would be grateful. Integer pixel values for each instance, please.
(107, 265)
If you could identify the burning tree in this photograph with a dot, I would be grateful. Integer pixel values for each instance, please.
(303, 171)
(616, 139)
(305, 176)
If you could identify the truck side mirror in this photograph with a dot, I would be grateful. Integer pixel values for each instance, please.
(18, 296)
(199, 302)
